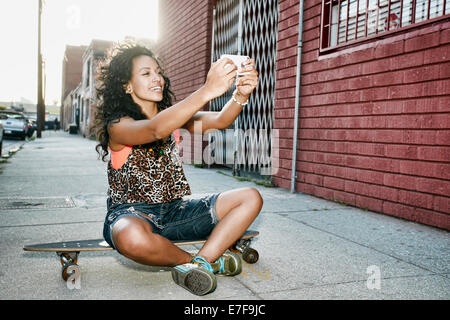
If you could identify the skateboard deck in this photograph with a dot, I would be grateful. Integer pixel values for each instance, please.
(68, 251)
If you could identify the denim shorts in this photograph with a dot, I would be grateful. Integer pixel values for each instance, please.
(188, 218)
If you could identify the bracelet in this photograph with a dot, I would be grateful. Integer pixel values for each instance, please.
(241, 104)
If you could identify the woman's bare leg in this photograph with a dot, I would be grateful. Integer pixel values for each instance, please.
(236, 210)
(135, 240)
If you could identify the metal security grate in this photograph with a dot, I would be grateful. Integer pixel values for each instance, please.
(249, 28)
(36, 203)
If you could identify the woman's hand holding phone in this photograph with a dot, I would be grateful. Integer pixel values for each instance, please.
(220, 77)
(225, 71)
(247, 79)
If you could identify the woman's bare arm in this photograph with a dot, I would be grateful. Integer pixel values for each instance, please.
(132, 132)
(215, 120)
(231, 110)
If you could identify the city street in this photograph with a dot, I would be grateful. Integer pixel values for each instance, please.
(309, 248)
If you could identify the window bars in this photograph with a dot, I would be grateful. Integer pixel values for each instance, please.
(349, 20)
(249, 28)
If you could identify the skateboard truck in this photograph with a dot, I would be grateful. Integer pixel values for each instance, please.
(67, 260)
(249, 254)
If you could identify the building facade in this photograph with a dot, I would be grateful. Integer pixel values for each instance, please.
(72, 68)
(363, 119)
(79, 103)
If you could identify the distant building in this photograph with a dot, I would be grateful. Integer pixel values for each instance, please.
(79, 103)
(72, 67)
(87, 99)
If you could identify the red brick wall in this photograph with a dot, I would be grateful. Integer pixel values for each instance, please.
(374, 126)
(72, 69)
(184, 44)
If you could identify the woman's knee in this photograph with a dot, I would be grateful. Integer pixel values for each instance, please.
(253, 196)
(132, 237)
(248, 197)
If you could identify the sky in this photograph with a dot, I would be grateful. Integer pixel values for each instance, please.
(64, 22)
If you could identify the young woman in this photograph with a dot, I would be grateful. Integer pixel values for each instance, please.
(148, 203)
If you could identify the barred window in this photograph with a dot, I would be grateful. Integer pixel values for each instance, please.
(345, 21)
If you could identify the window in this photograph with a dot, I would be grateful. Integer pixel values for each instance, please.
(88, 73)
(344, 21)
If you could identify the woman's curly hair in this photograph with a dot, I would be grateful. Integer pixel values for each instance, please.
(114, 73)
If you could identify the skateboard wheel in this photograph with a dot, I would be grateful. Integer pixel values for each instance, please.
(250, 255)
(65, 274)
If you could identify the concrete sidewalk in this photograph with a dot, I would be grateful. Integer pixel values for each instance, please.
(54, 189)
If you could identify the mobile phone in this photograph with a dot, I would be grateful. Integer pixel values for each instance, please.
(237, 60)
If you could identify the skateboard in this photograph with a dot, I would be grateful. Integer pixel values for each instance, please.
(69, 251)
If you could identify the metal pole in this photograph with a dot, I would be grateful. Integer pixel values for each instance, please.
(40, 100)
(236, 124)
(297, 97)
(240, 28)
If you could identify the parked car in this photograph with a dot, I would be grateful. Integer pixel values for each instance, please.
(16, 125)
(31, 127)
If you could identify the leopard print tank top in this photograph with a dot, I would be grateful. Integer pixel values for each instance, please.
(149, 177)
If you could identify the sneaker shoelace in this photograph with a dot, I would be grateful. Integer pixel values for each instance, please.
(221, 263)
(203, 263)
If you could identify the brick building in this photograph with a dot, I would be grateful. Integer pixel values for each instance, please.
(79, 102)
(367, 111)
(72, 68)
(375, 111)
